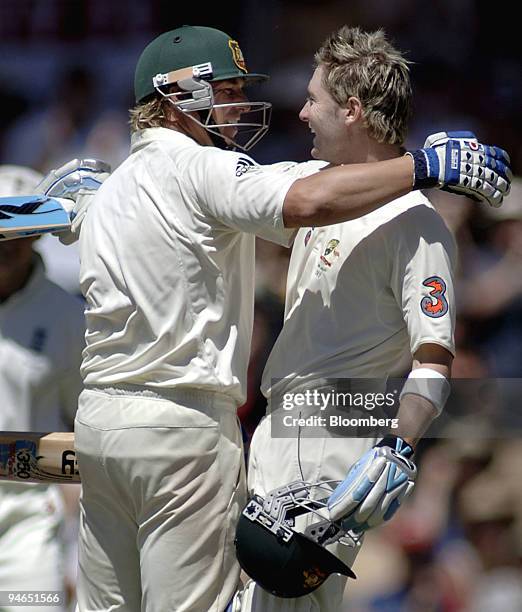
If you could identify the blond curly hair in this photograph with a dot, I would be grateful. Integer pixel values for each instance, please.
(148, 114)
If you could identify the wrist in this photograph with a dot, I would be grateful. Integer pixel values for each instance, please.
(411, 442)
(426, 166)
(402, 445)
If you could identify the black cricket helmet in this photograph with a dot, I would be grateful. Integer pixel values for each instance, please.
(277, 557)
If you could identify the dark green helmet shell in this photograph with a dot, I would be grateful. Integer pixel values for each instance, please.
(285, 569)
(190, 46)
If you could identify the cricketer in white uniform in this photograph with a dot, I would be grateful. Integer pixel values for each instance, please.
(359, 294)
(41, 339)
(167, 270)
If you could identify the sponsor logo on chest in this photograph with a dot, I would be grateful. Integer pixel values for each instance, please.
(329, 256)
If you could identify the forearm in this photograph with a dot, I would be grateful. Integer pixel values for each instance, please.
(416, 412)
(415, 415)
(346, 192)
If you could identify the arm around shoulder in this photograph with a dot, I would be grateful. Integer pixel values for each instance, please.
(341, 193)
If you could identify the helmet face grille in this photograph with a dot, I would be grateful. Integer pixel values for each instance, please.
(285, 569)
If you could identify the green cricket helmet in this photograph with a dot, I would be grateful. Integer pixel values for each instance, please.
(192, 57)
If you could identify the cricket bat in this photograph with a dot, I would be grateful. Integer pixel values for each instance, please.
(32, 215)
(27, 456)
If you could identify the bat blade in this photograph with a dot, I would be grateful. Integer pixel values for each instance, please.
(24, 216)
(27, 456)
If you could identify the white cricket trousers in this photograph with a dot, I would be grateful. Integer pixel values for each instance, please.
(163, 485)
(274, 462)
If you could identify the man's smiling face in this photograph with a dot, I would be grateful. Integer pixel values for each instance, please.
(326, 120)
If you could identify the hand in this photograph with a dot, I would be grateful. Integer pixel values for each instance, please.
(375, 486)
(458, 163)
(76, 182)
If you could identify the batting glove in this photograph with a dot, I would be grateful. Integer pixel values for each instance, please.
(375, 486)
(458, 163)
(76, 182)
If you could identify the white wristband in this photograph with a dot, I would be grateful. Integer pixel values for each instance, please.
(430, 384)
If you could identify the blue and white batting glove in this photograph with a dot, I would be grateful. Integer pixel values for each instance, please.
(375, 486)
(75, 182)
(457, 162)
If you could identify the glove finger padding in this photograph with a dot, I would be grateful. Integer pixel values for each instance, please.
(77, 182)
(440, 138)
(65, 181)
(373, 489)
(458, 163)
(77, 215)
(380, 505)
(483, 172)
(356, 486)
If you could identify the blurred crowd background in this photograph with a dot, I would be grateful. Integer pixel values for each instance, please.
(66, 72)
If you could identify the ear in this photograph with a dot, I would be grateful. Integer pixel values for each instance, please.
(353, 111)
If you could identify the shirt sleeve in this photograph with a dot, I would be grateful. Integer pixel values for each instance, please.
(241, 194)
(422, 277)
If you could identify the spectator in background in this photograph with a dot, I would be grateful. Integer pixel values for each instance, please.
(51, 133)
(491, 295)
(490, 510)
(41, 339)
(70, 125)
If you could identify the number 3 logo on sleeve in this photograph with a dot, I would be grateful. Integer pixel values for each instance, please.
(435, 305)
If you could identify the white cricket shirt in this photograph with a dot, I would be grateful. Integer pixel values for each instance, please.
(361, 293)
(167, 264)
